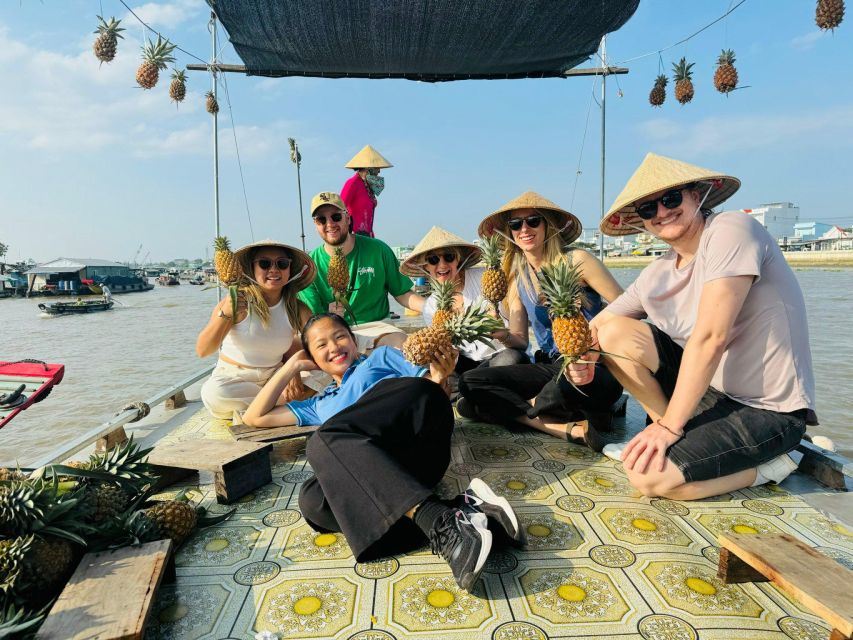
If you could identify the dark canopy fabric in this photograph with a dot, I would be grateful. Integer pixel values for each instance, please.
(428, 40)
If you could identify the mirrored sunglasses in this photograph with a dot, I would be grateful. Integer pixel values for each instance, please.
(532, 222)
(434, 259)
(266, 263)
(321, 220)
(671, 199)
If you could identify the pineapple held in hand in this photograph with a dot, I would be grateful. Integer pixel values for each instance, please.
(227, 267)
(560, 284)
(474, 323)
(494, 282)
(338, 279)
(443, 293)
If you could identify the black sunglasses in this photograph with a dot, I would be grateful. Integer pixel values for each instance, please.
(266, 263)
(671, 199)
(448, 258)
(532, 222)
(321, 220)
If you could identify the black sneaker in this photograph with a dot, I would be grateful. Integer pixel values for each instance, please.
(466, 409)
(464, 541)
(479, 498)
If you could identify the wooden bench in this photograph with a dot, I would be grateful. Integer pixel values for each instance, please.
(238, 467)
(814, 580)
(110, 595)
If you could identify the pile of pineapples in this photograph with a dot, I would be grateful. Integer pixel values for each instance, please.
(51, 517)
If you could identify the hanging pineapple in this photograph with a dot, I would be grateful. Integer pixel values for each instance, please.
(155, 58)
(829, 13)
(107, 41)
(443, 293)
(494, 282)
(211, 104)
(683, 81)
(657, 96)
(178, 86)
(561, 287)
(473, 324)
(725, 77)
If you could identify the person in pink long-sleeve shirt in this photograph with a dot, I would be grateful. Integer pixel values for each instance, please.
(360, 192)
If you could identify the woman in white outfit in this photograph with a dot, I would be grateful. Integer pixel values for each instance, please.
(265, 331)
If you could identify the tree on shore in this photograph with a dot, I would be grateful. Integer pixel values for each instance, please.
(3, 249)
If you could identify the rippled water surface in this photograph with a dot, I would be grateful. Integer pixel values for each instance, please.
(146, 343)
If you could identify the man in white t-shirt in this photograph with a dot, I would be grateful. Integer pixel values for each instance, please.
(723, 366)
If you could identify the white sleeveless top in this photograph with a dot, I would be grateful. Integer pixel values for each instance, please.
(251, 344)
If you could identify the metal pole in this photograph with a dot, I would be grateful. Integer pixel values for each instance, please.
(215, 142)
(299, 185)
(603, 138)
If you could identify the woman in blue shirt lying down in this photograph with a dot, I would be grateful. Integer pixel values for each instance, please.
(383, 445)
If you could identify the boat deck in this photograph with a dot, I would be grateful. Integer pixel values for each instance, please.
(601, 562)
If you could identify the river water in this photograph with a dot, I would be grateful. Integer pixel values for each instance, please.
(146, 343)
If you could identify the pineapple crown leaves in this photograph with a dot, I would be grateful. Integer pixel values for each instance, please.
(473, 324)
(17, 622)
(682, 69)
(295, 156)
(159, 53)
(179, 75)
(35, 506)
(443, 292)
(221, 243)
(210, 94)
(661, 81)
(109, 28)
(727, 56)
(492, 248)
(12, 555)
(561, 286)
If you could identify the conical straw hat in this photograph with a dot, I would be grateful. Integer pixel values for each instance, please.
(569, 225)
(368, 158)
(299, 261)
(658, 173)
(438, 238)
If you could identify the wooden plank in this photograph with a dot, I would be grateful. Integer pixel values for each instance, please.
(818, 582)
(242, 477)
(733, 570)
(826, 467)
(242, 433)
(111, 440)
(110, 595)
(207, 455)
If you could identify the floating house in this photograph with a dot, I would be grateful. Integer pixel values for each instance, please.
(83, 276)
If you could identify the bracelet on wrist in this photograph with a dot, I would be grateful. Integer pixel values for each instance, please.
(661, 424)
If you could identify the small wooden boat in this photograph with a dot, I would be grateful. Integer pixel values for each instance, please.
(23, 383)
(83, 306)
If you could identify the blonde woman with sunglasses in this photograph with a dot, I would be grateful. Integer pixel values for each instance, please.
(446, 257)
(538, 233)
(265, 331)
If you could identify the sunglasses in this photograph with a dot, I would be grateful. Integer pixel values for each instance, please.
(321, 220)
(448, 258)
(671, 199)
(532, 222)
(266, 263)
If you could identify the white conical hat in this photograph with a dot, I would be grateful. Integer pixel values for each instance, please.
(438, 238)
(368, 158)
(659, 173)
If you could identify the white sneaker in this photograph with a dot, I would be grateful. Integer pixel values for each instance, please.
(615, 450)
(775, 470)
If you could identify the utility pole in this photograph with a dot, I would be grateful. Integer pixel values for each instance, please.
(213, 66)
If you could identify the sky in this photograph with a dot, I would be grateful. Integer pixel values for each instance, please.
(93, 166)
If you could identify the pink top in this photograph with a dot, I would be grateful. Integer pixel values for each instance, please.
(360, 204)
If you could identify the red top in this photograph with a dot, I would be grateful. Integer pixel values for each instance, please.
(360, 204)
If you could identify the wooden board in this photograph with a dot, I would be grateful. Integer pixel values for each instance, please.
(207, 455)
(242, 433)
(110, 595)
(814, 580)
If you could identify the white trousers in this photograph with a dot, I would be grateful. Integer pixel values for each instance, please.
(231, 388)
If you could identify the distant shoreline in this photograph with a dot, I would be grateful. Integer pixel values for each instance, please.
(795, 259)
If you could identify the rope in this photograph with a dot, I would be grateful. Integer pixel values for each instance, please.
(191, 55)
(237, 148)
(583, 142)
(26, 361)
(142, 410)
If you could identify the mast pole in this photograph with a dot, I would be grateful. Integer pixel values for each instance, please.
(299, 186)
(603, 138)
(215, 140)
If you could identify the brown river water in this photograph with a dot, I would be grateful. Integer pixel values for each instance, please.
(146, 343)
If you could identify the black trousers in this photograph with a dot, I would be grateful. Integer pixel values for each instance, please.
(502, 393)
(503, 358)
(374, 461)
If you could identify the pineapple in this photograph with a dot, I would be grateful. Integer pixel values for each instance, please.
(494, 282)
(338, 275)
(107, 40)
(211, 104)
(560, 285)
(474, 323)
(725, 77)
(683, 81)
(227, 267)
(657, 96)
(444, 293)
(178, 87)
(175, 519)
(155, 58)
(11, 475)
(48, 565)
(108, 501)
(829, 13)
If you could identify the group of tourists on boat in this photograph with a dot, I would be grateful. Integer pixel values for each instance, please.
(711, 340)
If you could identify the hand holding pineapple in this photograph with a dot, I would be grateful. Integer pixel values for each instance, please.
(443, 364)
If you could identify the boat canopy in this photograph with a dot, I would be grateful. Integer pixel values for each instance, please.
(426, 40)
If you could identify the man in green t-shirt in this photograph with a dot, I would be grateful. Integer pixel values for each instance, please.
(374, 271)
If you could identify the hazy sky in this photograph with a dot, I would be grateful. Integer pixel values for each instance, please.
(92, 166)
